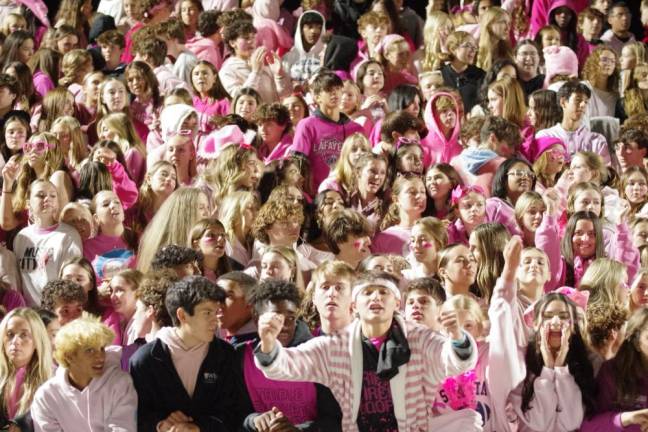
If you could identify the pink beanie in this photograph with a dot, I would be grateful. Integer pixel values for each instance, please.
(534, 148)
(223, 137)
(559, 60)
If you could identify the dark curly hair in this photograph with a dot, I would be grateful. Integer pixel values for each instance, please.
(188, 293)
(152, 292)
(61, 290)
(274, 290)
(236, 30)
(602, 320)
(173, 255)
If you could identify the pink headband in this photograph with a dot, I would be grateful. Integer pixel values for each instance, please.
(406, 141)
(460, 192)
(580, 298)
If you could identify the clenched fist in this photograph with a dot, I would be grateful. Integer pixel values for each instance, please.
(270, 325)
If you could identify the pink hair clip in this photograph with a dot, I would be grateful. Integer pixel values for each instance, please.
(461, 191)
(406, 141)
(181, 132)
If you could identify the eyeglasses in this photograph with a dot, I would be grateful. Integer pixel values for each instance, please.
(469, 47)
(521, 174)
(38, 147)
(557, 153)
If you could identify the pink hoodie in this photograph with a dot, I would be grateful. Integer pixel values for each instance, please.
(109, 402)
(205, 49)
(124, 187)
(269, 31)
(540, 12)
(437, 148)
(187, 361)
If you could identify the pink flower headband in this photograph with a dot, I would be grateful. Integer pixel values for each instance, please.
(461, 191)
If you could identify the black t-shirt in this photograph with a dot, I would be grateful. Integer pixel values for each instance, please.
(467, 83)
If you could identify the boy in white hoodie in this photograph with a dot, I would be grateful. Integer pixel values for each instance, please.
(305, 58)
(89, 390)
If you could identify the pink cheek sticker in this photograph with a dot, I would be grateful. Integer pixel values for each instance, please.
(358, 244)
(427, 245)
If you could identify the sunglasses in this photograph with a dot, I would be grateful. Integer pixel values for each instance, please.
(38, 147)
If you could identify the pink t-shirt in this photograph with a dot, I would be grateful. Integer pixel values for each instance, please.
(393, 240)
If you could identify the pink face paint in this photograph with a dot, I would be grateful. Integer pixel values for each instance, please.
(427, 245)
(358, 244)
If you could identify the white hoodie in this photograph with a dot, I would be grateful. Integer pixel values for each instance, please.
(299, 63)
(108, 403)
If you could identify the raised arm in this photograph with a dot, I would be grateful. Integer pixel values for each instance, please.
(8, 219)
(308, 362)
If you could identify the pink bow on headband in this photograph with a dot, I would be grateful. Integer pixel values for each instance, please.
(580, 298)
(225, 137)
(461, 191)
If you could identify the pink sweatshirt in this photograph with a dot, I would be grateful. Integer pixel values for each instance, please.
(207, 110)
(108, 255)
(393, 240)
(187, 361)
(124, 187)
(109, 402)
(437, 148)
(205, 49)
(136, 166)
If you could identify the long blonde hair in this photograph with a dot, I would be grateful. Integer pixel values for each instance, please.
(226, 172)
(433, 43)
(121, 124)
(511, 92)
(171, 225)
(601, 279)
(490, 47)
(453, 42)
(230, 213)
(72, 65)
(634, 101)
(78, 148)
(639, 50)
(343, 172)
(53, 162)
(40, 365)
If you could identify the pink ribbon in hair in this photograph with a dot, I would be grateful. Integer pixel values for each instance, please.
(580, 298)
(461, 191)
(406, 141)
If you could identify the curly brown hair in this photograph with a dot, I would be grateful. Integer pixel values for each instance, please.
(278, 210)
(602, 320)
(61, 290)
(592, 68)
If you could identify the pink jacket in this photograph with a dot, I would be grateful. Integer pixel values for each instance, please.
(107, 403)
(436, 147)
(540, 12)
(269, 31)
(336, 362)
(496, 211)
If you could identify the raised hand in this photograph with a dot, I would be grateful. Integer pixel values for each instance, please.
(270, 325)
(624, 211)
(256, 60)
(551, 199)
(275, 65)
(450, 322)
(512, 253)
(10, 172)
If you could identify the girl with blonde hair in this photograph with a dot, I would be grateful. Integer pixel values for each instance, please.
(529, 209)
(281, 262)
(236, 168)
(428, 236)
(113, 97)
(438, 26)
(159, 183)
(635, 96)
(632, 54)
(409, 200)
(506, 99)
(56, 103)
(237, 212)
(342, 178)
(76, 64)
(43, 160)
(494, 42)
(459, 71)
(118, 127)
(601, 74)
(172, 223)
(606, 280)
(70, 137)
(25, 361)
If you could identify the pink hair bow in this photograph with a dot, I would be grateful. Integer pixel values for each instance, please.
(461, 191)
(406, 141)
(579, 297)
(225, 137)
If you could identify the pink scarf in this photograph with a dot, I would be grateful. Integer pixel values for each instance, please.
(16, 393)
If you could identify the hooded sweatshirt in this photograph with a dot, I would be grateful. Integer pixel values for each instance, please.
(299, 63)
(171, 119)
(321, 139)
(186, 361)
(437, 148)
(270, 33)
(109, 402)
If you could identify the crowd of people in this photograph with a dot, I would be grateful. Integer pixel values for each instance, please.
(324, 215)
